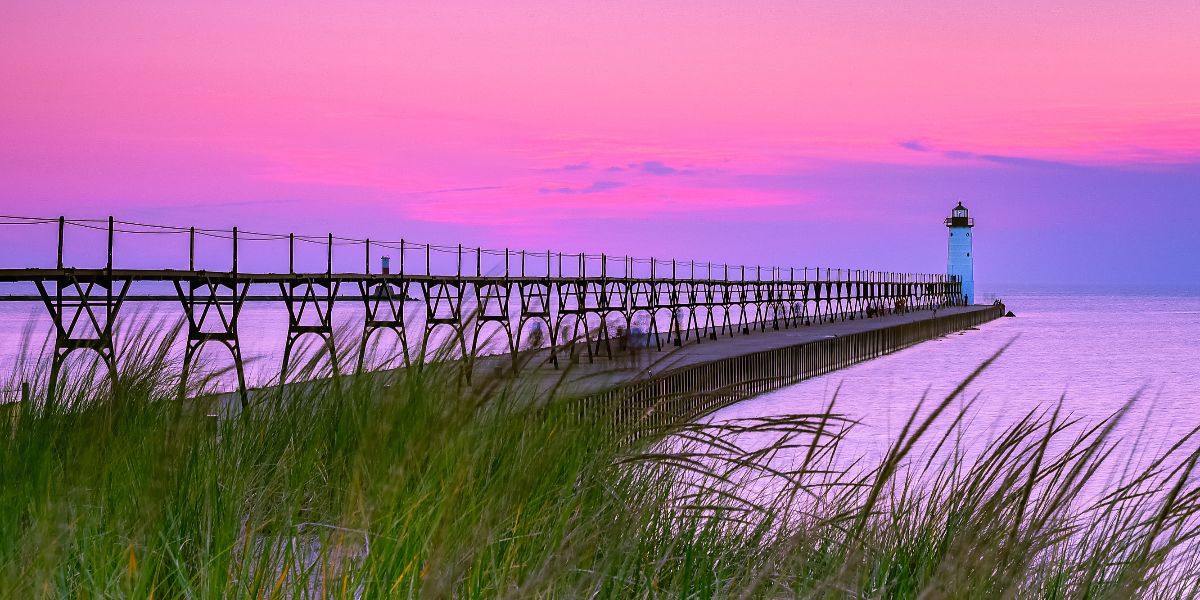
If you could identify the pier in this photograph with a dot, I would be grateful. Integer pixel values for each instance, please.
(694, 317)
(657, 393)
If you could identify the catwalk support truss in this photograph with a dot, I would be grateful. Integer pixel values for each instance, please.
(572, 306)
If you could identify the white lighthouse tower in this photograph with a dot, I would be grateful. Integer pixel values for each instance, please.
(960, 263)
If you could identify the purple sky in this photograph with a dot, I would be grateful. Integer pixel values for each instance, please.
(788, 133)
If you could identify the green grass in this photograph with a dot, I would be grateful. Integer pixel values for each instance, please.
(414, 485)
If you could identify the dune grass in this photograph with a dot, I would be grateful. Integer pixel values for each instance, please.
(416, 485)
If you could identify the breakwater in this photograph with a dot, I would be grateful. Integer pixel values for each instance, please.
(692, 390)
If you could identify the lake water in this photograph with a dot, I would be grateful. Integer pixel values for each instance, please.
(1095, 348)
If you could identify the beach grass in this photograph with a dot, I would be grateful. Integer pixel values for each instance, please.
(417, 484)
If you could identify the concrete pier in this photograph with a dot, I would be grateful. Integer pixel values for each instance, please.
(583, 378)
(697, 379)
(655, 388)
(716, 371)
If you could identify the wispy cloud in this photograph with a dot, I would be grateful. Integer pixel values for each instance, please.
(648, 167)
(914, 145)
(1000, 159)
(658, 167)
(579, 166)
(478, 188)
(594, 188)
(1022, 161)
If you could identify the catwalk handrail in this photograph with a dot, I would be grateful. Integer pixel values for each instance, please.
(516, 263)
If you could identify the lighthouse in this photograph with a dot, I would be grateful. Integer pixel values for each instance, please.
(960, 263)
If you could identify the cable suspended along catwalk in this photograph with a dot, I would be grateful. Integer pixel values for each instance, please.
(576, 297)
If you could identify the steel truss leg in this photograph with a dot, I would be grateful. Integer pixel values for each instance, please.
(212, 304)
(673, 328)
(508, 334)
(459, 336)
(743, 324)
(297, 305)
(550, 333)
(492, 306)
(691, 324)
(97, 332)
(602, 336)
(383, 305)
(580, 319)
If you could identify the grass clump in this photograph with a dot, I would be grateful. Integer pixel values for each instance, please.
(416, 484)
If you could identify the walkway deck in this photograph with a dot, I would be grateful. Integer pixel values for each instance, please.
(580, 378)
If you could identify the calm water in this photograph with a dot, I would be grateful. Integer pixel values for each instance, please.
(1095, 348)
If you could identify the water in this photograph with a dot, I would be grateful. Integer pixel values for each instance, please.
(1095, 348)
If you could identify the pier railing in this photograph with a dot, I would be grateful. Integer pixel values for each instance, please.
(570, 303)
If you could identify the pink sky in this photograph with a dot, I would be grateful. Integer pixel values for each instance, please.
(780, 132)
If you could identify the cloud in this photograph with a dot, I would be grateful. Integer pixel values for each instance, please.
(1000, 159)
(649, 167)
(478, 188)
(595, 188)
(602, 186)
(657, 167)
(579, 166)
(1010, 161)
(1024, 161)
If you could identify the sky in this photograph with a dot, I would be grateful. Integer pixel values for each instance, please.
(789, 133)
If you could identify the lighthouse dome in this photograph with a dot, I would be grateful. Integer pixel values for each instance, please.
(958, 217)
